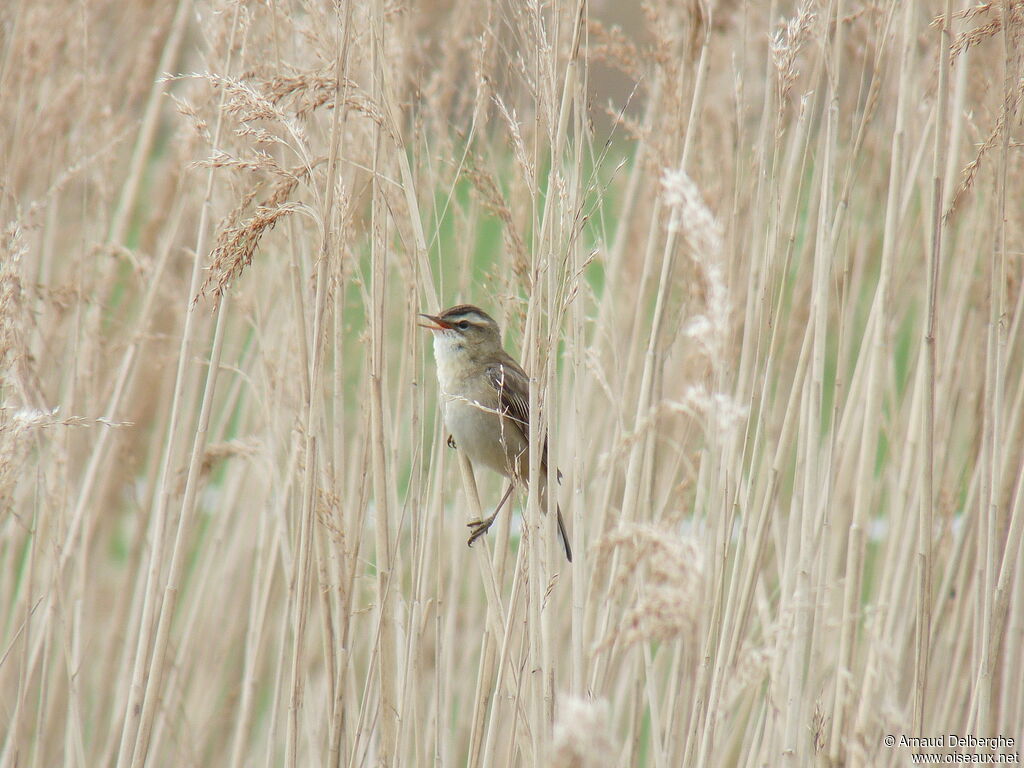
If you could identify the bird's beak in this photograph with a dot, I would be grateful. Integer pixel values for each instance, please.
(433, 323)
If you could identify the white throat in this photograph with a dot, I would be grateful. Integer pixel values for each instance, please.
(450, 357)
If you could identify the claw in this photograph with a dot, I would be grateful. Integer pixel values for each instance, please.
(479, 528)
(451, 441)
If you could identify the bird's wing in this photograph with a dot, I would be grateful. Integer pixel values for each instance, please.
(513, 388)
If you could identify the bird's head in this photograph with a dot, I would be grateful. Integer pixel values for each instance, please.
(466, 328)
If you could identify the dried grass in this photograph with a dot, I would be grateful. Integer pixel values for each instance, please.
(775, 334)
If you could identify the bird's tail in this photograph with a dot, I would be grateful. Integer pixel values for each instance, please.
(562, 533)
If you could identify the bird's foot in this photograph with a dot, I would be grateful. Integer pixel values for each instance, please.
(479, 528)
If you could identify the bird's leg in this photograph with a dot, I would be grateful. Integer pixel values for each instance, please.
(451, 440)
(480, 527)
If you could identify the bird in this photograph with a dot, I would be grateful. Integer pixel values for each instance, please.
(485, 402)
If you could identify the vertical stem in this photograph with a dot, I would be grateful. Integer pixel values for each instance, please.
(926, 515)
(992, 448)
(158, 520)
(875, 351)
(313, 406)
(153, 691)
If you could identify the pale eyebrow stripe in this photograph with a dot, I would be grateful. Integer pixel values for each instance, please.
(474, 317)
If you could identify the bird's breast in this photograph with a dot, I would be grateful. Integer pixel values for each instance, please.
(486, 437)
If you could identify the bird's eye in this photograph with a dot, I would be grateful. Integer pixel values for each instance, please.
(464, 326)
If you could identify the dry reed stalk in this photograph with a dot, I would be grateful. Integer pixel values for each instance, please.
(870, 424)
(151, 647)
(926, 522)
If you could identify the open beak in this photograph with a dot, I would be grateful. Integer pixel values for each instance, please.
(433, 323)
